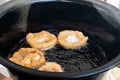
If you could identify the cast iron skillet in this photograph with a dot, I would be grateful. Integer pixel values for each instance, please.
(100, 21)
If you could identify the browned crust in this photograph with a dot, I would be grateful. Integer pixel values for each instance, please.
(32, 39)
(63, 34)
(22, 54)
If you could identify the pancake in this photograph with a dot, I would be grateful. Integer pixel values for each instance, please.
(51, 67)
(42, 40)
(71, 39)
(28, 57)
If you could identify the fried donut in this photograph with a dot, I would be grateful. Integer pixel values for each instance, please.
(51, 67)
(28, 57)
(42, 40)
(71, 39)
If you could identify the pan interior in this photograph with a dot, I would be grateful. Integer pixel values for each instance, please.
(85, 58)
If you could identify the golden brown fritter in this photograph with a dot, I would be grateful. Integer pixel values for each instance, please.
(71, 39)
(28, 57)
(42, 40)
(51, 67)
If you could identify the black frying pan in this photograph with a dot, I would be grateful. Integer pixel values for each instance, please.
(98, 20)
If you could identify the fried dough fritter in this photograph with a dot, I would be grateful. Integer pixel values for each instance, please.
(51, 67)
(28, 57)
(71, 39)
(42, 40)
